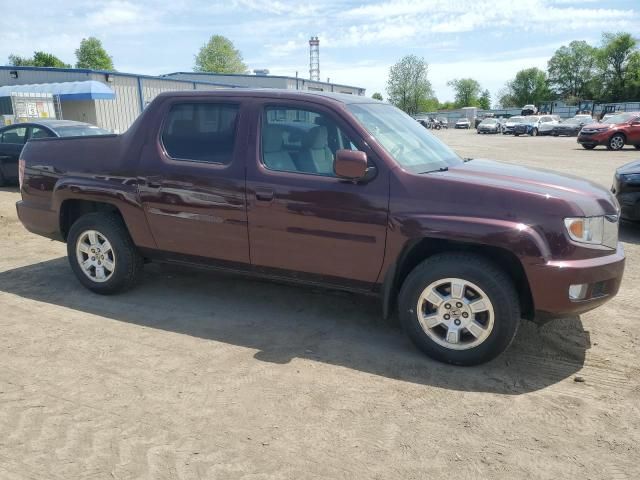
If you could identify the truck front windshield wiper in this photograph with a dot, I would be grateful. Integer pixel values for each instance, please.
(441, 169)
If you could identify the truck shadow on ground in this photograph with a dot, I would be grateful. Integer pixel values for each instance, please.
(284, 322)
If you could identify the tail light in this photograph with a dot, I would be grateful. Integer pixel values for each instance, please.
(21, 172)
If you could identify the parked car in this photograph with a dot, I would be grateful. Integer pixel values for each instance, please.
(615, 132)
(334, 190)
(14, 137)
(443, 121)
(463, 123)
(569, 127)
(529, 110)
(626, 188)
(532, 125)
(489, 125)
(510, 124)
(547, 122)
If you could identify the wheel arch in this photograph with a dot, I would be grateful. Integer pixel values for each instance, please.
(415, 251)
(73, 208)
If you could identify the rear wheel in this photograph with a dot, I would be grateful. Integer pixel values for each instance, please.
(534, 132)
(2, 180)
(616, 142)
(588, 147)
(637, 147)
(459, 308)
(102, 254)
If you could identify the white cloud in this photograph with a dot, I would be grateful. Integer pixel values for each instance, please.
(117, 13)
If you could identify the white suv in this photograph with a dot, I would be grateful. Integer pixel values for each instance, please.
(546, 124)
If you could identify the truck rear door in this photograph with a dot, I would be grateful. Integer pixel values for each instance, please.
(192, 180)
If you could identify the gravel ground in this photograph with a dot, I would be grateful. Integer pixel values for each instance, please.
(195, 375)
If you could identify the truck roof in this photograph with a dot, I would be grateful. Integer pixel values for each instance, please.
(274, 93)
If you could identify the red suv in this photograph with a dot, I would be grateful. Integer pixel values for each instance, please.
(614, 132)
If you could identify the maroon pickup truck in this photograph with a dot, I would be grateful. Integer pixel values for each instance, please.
(330, 190)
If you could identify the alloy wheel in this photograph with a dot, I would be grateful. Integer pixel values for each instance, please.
(95, 256)
(455, 313)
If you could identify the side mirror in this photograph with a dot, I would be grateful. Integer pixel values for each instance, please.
(350, 164)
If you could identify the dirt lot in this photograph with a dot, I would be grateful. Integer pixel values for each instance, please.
(197, 375)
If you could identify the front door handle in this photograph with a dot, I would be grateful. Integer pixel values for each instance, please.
(264, 194)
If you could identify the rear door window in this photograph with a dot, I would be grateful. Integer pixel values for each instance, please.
(201, 132)
(37, 132)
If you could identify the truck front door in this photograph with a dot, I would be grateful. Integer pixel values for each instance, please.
(192, 180)
(303, 220)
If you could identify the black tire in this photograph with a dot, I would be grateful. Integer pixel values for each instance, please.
(588, 147)
(3, 182)
(516, 134)
(472, 268)
(614, 142)
(534, 132)
(127, 260)
(637, 147)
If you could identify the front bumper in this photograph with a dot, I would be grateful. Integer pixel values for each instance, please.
(550, 284)
(600, 138)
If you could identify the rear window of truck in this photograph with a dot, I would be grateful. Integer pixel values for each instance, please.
(201, 132)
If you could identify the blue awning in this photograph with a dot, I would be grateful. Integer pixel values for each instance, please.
(87, 90)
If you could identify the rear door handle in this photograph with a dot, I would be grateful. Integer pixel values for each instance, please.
(264, 194)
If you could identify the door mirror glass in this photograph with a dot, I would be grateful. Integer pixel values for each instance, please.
(350, 164)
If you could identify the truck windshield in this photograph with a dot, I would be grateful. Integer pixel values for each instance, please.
(409, 143)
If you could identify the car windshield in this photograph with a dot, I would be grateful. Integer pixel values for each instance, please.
(516, 120)
(573, 121)
(462, 120)
(411, 145)
(80, 131)
(488, 121)
(620, 118)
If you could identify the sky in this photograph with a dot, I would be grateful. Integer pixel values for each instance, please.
(489, 40)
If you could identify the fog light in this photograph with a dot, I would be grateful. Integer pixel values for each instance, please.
(578, 291)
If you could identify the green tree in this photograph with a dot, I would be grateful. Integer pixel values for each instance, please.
(467, 91)
(219, 55)
(39, 59)
(377, 96)
(529, 86)
(632, 77)
(614, 57)
(408, 86)
(484, 101)
(572, 69)
(91, 54)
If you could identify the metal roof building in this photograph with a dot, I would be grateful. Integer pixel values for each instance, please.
(267, 81)
(113, 100)
(113, 105)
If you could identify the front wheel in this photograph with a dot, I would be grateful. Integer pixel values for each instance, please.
(616, 142)
(534, 132)
(588, 147)
(459, 308)
(102, 254)
(637, 147)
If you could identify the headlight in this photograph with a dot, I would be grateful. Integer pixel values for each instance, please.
(586, 229)
(594, 230)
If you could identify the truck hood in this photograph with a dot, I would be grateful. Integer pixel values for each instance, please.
(582, 196)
